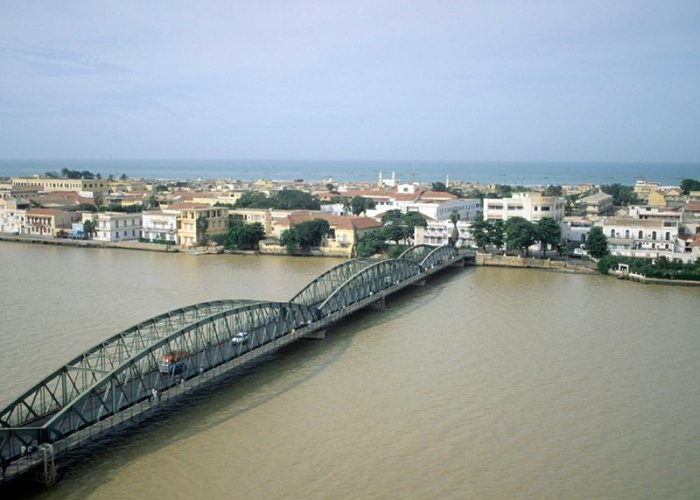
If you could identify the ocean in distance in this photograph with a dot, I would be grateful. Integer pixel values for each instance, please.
(522, 173)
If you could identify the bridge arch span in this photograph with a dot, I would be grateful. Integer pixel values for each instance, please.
(416, 253)
(324, 285)
(374, 278)
(439, 255)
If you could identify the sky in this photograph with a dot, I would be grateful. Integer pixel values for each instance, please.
(376, 80)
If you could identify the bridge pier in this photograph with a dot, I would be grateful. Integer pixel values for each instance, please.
(419, 283)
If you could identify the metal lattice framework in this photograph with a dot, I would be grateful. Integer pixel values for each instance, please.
(125, 371)
(439, 255)
(136, 376)
(368, 281)
(323, 286)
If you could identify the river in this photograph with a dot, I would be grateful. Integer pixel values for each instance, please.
(485, 383)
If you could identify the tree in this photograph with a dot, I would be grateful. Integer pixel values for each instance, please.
(454, 218)
(597, 242)
(520, 234)
(479, 230)
(373, 243)
(688, 185)
(395, 232)
(122, 177)
(548, 233)
(438, 186)
(552, 191)
(496, 233)
(330, 187)
(88, 228)
(305, 235)
(622, 195)
(243, 236)
(252, 199)
(202, 225)
(358, 204)
(293, 199)
(391, 216)
(98, 198)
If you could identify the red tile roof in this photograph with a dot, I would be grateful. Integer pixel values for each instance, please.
(337, 221)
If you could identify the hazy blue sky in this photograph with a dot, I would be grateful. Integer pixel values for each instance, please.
(471, 80)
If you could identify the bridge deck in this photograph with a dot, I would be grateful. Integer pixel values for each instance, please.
(113, 397)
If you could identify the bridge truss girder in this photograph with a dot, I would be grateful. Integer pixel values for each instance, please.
(368, 281)
(324, 285)
(209, 342)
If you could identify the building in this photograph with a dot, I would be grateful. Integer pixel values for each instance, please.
(188, 233)
(45, 222)
(574, 230)
(51, 185)
(117, 226)
(647, 238)
(528, 205)
(268, 217)
(346, 230)
(596, 205)
(644, 188)
(13, 215)
(436, 205)
(438, 233)
(157, 226)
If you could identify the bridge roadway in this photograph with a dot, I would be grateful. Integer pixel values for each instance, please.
(120, 379)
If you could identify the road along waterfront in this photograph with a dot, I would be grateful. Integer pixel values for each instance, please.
(485, 383)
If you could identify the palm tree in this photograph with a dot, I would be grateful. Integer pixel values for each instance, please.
(202, 226)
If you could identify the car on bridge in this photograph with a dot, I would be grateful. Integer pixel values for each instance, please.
(173, 362)
(240, 338)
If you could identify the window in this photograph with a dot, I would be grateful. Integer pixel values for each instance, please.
(627, 233)
(653, 235)
(612, 233)
(641, 235)
(668, 236)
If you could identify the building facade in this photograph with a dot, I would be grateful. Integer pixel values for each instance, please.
(117, 226)
(529, 205)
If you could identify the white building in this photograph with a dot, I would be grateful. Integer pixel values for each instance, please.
(117, 226)
(575, 230)
(646, 238)
(529, 206)
(438, 233)
(159, 226)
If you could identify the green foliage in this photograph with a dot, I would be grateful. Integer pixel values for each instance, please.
(89, 228)
(286, 199)
(202, 224)
(479, 230)
(160, 188)
(242, 236)
(395, 250)
(372, 243)
(358, 204)
(548, 233)
(660, 268)
(597, 242)
(688, 185)
(224, 205)
(395, 232)
(552, 191)
(305, 235)
(496, 233)
(67, 173)
(441, 187)
(330, 187)
(521, 234)
(622, 195)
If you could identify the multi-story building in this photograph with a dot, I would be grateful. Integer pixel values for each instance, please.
(438, 233)
(574, 230)
(529, 205)
(436, 205)
(13, 215)
(268, 217)
(648, 238)
(596, 205)
(117, 226)
(644, 188)
(45, 222)
(159, 226)
(51, 185)
(188, 232)
(346, 230)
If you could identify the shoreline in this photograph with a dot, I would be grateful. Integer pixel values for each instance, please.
(482, 259)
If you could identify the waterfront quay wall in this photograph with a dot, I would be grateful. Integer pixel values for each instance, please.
(124, 245)
(487, 259)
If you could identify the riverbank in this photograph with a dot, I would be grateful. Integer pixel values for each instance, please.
(123, 245)
(564, 266)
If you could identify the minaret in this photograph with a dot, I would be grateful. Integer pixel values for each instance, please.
(381, 180)
(447, 180)
(393, 179)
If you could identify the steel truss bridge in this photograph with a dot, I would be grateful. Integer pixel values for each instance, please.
(121, 378)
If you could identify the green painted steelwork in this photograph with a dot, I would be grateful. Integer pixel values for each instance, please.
(127, 369)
